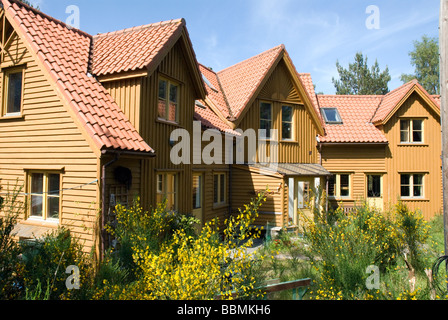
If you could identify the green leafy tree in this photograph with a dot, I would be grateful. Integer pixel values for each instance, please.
(359, 79)
(425, 59)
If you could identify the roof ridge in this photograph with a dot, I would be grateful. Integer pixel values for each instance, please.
(282, 46)
(413, 82)
(352, 95)
(48, 17)
(138, 28)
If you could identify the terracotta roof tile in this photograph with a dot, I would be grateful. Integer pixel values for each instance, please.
(356, 112)
(308, 84)
(210, 119)
(68, 66)
(116, 51)
(214, 90)
(241, 80)
(391, 99)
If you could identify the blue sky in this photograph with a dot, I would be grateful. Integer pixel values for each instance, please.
(316, 33)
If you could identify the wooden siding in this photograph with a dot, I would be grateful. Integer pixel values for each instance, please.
(247, 182)
(358, 161)
(418, 158)
(280, 91)
(46, 138)
(126, 94)
(394, 159)
(157, 132)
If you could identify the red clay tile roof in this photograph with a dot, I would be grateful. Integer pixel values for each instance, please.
(214, 90)
(210, 119)
(241, 80)
(391, 99)
(360, 114)
(356, 113)
(65, 53)
(307, 83)
(117, 51)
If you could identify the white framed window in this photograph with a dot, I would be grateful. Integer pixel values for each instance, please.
(331, 115)
(374, 185)
(411, 185)
(411, 131)
(339, 185)
(44, 195)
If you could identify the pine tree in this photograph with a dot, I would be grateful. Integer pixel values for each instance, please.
(359, 79)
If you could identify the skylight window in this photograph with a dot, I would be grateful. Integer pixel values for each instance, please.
(331, 115)
(209, 83)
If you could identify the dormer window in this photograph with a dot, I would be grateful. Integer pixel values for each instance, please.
(168, 100)
(411, 131)
(331, 116)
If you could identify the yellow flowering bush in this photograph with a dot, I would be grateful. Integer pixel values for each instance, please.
(341, 249)
(183, 265)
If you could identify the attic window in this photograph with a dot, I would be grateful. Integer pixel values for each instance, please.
(331, 115)
(200, 104)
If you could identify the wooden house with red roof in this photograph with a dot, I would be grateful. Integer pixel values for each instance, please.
(384, 149)
(266, 92)
(82, 117)
(87, 122)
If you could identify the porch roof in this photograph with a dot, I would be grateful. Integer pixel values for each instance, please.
(295, 169)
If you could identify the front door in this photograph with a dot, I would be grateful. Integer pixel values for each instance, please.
(305, 187)
(198, 197)
(375, 191)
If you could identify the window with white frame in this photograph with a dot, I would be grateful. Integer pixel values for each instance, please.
(411, 131)
(44, 195)
(412, 185)
(339, 185)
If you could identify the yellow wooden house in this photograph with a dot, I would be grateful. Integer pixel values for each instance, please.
(266, 92)
(384, 149)
(87, 122)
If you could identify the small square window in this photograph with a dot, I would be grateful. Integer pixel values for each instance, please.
(411, 131)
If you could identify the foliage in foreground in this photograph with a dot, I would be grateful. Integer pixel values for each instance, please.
(170, 261)
(346, 248)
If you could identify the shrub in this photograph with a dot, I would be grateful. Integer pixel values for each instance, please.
(342, 248)
(172, 262)
(10, 208)
(46, 259)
